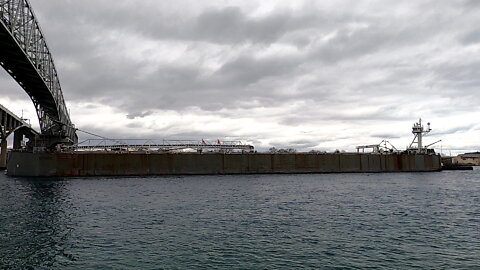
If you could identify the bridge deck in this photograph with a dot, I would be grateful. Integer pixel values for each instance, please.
(9, 122)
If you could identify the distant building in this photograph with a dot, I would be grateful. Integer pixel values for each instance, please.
(472, 159)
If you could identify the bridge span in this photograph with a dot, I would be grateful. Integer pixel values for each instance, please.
(10, 123)
(24, 54)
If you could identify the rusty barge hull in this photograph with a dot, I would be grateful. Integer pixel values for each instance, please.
(124, 164)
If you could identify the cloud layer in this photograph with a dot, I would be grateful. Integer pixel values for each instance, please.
(305, 74)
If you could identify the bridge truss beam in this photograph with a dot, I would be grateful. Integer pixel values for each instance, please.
(24, 54)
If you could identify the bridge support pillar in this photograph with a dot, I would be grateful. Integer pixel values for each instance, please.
(3, 153)
(20, 134)
(17, 139)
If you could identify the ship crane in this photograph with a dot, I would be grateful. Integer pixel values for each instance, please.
(383, 146)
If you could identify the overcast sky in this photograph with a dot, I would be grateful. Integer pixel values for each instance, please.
(319, 75)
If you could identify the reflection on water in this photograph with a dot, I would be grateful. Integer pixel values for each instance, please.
(384, 221)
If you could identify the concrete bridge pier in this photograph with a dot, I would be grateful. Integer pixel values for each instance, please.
(10, 123)
(3, 153)
(20, 134)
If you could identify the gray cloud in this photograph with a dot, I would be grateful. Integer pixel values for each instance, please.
(353, 62)
(385, 135)
(453, 130)
(472, 37)
(138, 115)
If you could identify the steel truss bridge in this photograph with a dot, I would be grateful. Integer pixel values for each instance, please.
(24, 54)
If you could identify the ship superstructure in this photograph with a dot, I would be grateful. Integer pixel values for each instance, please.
(416, 146)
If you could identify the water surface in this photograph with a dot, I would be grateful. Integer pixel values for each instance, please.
(314, 221)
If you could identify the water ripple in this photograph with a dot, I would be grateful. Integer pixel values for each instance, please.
(344, 221)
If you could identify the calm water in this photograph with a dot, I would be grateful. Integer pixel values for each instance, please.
(352, 221)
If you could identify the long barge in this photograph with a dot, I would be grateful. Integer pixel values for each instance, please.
(142, 163)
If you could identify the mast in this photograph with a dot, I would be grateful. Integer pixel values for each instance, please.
(419, 131)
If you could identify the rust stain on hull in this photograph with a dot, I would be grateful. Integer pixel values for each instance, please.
(112, 164)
